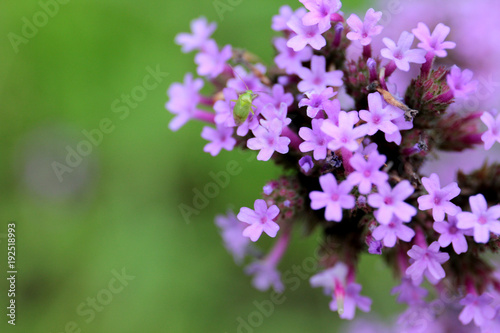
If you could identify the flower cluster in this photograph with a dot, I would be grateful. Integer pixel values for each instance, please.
(330, 113)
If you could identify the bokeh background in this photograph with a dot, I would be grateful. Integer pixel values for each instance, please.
(118, 208)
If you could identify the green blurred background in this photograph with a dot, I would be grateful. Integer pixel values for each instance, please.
(118, 208)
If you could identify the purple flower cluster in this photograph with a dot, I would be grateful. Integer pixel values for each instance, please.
(352, 147)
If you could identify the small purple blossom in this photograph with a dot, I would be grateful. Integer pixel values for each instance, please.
(492, 135)
(477, 308)
(352, 299)
(261, 219)
(280, 20)
(367, 172)
(438, 198)
(331, 279)
(320, 12)
(402, 124)
(201, 33)
(391, 232)
(220, 138)
(288, 59)
(266, 275)
(409, 293)
(317, 78)
(268, 139)
(183, 100)
(224, 109)
(304, 35)
(344, 135)
(380, 118)
(334, 197)
(306, 164)
(364, 30)
(401, 53)
(451, 234)
(314, 140)
(391, 202)
(210, 61)
(427, 261)
(270, 112)
(275, 97)
(244, 80)
(316, 101)
(231, 230)
(483, 219)
(375, 247)
(434, 43)
(461, 83)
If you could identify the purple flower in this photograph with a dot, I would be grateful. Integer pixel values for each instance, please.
(460, 82)
(220, 137)
(270, 112)
(244, 80)
(367, 171)
(306, 164)
(438, 198)
(389, 233)
(401, 53)
(434, 43)
(305, 35)
(427, 261)
(288, 59)
(483, 219)
(391, 202)
(268, 140)
(334, 197)
(409, 293)
(314, 139)
(451, 234)
(265, 276)
(231, 230)
(402, 124)
(352, 300)
(224, 109)
(315, 101)
(279, 21)
(317, 78)
(201, 33)
(493, 133)
(210, 61)
(332, 110)
(380, 118)
(320, 12)
(345, 134)
(332, 279)
(183, 100)
(275, 97)
(260, 220)
(363, 31)
(478, 308)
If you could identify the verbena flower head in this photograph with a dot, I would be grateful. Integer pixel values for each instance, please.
(354, 140)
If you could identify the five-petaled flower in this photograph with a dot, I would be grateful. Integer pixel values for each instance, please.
(261, 219)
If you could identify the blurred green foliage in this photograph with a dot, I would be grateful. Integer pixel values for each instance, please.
(118, 208)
